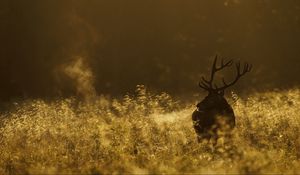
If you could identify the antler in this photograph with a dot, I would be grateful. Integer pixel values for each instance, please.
(208, 84)
(247, 68)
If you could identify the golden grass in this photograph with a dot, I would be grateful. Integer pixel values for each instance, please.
(148, 133)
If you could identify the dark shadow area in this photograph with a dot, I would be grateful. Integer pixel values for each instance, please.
(165, 45)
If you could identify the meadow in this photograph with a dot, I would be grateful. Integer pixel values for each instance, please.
(147, 133)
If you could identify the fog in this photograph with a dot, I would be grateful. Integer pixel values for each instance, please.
(167, 45)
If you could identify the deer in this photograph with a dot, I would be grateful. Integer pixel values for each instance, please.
(214, 114)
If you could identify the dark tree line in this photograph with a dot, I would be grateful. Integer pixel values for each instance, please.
(163, 44)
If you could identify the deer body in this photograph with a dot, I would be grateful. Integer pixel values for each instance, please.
(214, 113)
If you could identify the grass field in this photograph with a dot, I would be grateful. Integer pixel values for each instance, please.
(148, 133)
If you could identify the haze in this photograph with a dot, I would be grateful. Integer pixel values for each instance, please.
(166, 45)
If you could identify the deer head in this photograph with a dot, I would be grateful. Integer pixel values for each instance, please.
(212, 87)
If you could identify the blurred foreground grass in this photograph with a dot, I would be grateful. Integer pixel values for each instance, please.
(148, 133)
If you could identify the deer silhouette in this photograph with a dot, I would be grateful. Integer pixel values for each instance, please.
(214, 113)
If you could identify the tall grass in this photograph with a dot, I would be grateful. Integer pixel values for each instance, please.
(148, 133)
